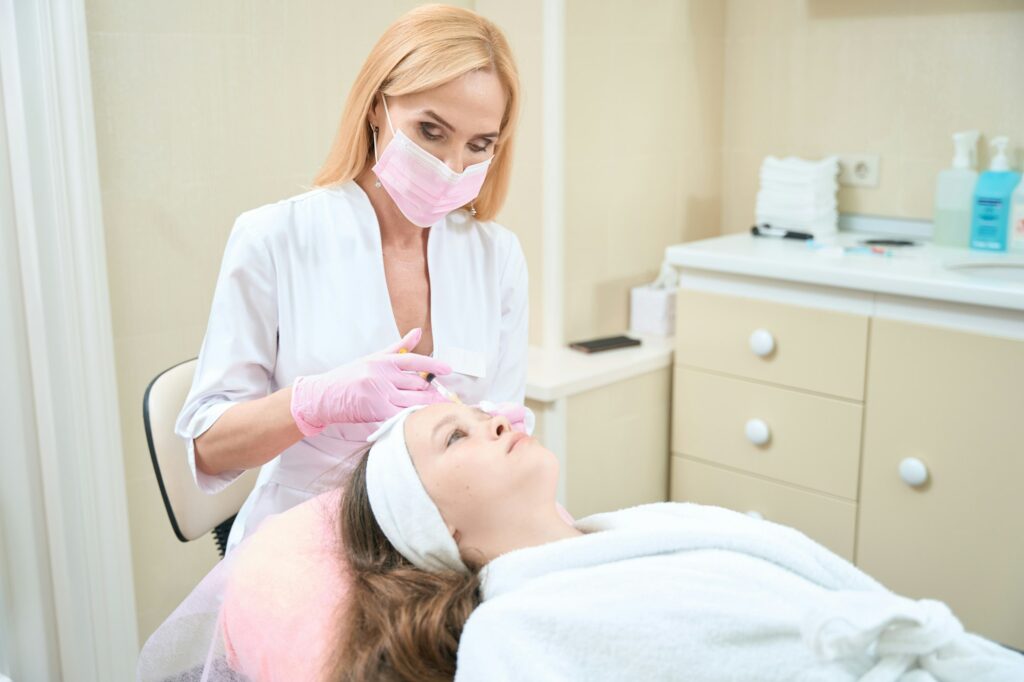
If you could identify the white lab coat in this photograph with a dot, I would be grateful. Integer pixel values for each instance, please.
(302, 290)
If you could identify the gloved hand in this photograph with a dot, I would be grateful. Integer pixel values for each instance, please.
(520, 417)
(370, 389)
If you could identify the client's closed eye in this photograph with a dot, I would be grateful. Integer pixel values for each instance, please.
(454, 436)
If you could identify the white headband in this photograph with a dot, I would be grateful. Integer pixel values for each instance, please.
(401, 505)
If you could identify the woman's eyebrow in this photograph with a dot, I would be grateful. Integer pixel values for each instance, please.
(449, 126)
(439, 425)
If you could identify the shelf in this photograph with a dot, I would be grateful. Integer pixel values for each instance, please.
(555, 373)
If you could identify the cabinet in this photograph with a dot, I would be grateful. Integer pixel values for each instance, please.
(768, 411)
(954, 401)
(804, 416)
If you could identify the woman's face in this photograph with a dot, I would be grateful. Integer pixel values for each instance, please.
(457, 122)
(478, 471)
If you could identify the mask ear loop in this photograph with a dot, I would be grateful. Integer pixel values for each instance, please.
(384, 101)
(373, 134)
(375, 129)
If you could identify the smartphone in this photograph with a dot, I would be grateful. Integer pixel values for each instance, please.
(606, 343)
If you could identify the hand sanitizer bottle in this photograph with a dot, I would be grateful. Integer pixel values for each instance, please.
(1017, 220)
(990, 220)
(954, 193)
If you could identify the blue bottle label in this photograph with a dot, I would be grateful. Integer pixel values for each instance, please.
(989, 221)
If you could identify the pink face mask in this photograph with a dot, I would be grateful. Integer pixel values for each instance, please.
(421, 185)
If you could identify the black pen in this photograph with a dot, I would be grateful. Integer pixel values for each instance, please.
(766, 230)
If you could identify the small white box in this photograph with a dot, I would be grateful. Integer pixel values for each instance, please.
(652, 311)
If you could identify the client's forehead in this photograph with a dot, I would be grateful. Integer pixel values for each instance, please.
(429, 415)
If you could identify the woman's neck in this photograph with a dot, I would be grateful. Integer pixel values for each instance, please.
(527, 531)
(396, 232)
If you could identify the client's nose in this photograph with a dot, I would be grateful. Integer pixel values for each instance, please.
(500, 425)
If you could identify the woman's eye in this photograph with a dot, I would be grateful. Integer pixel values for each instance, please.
(456, 434)
(428, 131)
(481, 148)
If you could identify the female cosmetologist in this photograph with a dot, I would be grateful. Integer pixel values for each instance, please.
(394, 250)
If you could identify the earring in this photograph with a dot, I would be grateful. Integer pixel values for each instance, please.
(472, 210)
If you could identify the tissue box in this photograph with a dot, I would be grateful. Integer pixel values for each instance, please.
(652, 311)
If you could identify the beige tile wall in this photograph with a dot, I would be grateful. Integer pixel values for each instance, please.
(888, 77)
(521, 22)
(643, 138)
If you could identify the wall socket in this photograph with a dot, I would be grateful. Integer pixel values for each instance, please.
(858, 170)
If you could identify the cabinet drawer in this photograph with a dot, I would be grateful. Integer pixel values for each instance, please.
(817, 350)
(813, 441)
(827, 520)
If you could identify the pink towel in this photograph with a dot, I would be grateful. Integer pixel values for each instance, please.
(281, 605)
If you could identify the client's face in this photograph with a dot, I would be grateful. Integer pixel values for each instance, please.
(478, 471)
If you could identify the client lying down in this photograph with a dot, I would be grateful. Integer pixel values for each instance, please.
(454, 562)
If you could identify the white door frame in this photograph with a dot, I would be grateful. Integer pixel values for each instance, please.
(80, 549)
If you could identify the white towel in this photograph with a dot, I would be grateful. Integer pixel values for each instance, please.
(799, 194)
(678, 591)
(805, 169)
(795, 210)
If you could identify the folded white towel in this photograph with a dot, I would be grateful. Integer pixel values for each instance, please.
(793, 167)
(799, 194)
(787, 204)
(826, 188)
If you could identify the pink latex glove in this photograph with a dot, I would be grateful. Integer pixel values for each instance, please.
(520, 417)
(371, 389)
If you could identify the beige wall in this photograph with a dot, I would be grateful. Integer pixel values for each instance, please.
(521, 22)
(888, 77)
(643, 135)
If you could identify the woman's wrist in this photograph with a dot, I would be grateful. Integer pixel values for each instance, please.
(301, 406)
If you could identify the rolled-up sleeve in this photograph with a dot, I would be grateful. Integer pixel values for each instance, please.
(510, 379)
(239, 351)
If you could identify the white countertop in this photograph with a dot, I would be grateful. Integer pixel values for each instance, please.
(916, 271)
(555, 373)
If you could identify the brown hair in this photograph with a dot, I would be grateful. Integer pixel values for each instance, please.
(426, 48)
(399, 622)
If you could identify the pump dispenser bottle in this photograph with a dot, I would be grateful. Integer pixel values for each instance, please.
(990, 220)
(954, 193)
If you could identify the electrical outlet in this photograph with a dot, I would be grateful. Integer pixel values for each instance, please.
(858, 170)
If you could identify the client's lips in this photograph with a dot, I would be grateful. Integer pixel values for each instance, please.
(515, 438)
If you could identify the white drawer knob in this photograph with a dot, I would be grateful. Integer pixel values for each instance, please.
(758, 432)
(913, 472)
(762, 342)
(755, 515)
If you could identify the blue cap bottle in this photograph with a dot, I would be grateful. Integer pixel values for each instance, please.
(990, 218)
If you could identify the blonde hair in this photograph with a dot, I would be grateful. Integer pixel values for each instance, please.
(426, 48)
